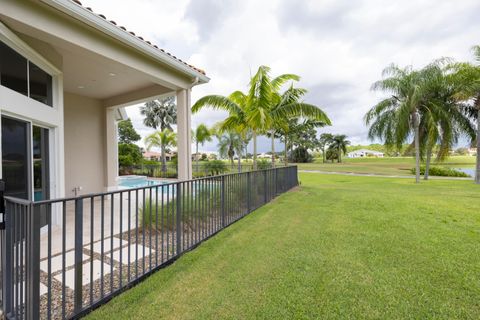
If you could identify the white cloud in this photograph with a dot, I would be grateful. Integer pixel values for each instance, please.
(339, 47)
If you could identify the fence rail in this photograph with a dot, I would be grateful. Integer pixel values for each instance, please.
(199, 170)
(63, 257)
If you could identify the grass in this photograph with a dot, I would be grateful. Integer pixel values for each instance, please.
(339, 247)
(400, 166)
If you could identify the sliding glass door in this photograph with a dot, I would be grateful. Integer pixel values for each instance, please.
(16, 158)
(25, 159)
(41, 190)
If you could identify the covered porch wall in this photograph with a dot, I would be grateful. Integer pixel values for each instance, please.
(99, 71)
(91, 144)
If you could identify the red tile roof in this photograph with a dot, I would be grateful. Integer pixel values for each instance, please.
(133, 34)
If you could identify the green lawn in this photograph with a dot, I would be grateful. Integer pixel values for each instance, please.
(384, 166)
(338, 247)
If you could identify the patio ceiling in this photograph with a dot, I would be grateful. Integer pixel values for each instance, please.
(90, 74)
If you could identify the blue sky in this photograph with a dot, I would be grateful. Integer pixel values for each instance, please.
(338, 47)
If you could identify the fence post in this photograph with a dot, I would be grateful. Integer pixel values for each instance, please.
(249, 188)
(32, 300)
(7, 256)
(295, 172)
(78, 300)
(179, 218)
(275, 180)
(2, 205)
(223, 201)
(265, 185)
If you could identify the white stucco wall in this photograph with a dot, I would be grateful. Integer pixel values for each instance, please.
(84, 144)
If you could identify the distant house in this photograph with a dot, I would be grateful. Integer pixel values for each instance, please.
(157, 156)
(264, 156)
(363, 153)
(472, 151)
(211, 155)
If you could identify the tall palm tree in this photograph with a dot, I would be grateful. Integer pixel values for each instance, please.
(398, 117)
(163, 140)
(289, 105)
(200, 135)
(251, 110)
(467, 76)
(254, 110)
(444, 120)
(229, 144)
(160, 114)
(339, 144)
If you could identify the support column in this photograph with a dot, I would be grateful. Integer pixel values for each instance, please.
(184, 139)
(111, 144)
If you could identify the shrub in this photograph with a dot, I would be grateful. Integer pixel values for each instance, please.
(300, 155)
(263, 164)
(441, 172)
(215, 167)
(129, 154)
(209, 192)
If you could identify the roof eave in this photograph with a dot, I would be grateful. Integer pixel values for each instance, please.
(82, 14)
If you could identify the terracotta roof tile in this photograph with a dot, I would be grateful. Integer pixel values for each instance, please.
(133, 34)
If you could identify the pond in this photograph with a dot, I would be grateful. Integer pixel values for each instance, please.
(469, 171)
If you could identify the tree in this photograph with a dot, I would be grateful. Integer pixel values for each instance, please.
(339, 144)
(443, 119)
(126, 132)
(229, 144)
(200, 135)
(399, 116)
(324, 142)
(129, 154)
(254, 110)
(160, 114)
(163, 140)
(467, 76)
(290, 102)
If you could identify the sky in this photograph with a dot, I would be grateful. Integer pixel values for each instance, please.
(338, 47)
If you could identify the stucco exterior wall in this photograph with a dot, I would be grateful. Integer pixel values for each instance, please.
(84, 144)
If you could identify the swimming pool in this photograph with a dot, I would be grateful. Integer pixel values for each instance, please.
(133, 181)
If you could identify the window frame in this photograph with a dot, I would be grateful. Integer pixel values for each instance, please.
(11, 40)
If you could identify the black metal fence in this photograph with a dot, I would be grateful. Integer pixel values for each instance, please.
(199, 170)
(63, 257)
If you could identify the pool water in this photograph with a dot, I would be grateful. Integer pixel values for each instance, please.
(128, 182)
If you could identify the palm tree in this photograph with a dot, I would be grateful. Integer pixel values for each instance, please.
(163, 140)
(254, 110)
(160, 114)
(397, 117)
(200, 135)
(324, 142)
(287, 106)
(467, 76)
(444, 120)
(339, 144)
(250, 111)
(229, 144)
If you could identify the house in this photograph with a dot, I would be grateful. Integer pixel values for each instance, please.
(362, 153)
(211, 155)
(264, 156)
(157, 156)
(472, 151)
(66, 73)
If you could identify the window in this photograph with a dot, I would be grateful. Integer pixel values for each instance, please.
(13, 70)
(40, 84)
(23, 76)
